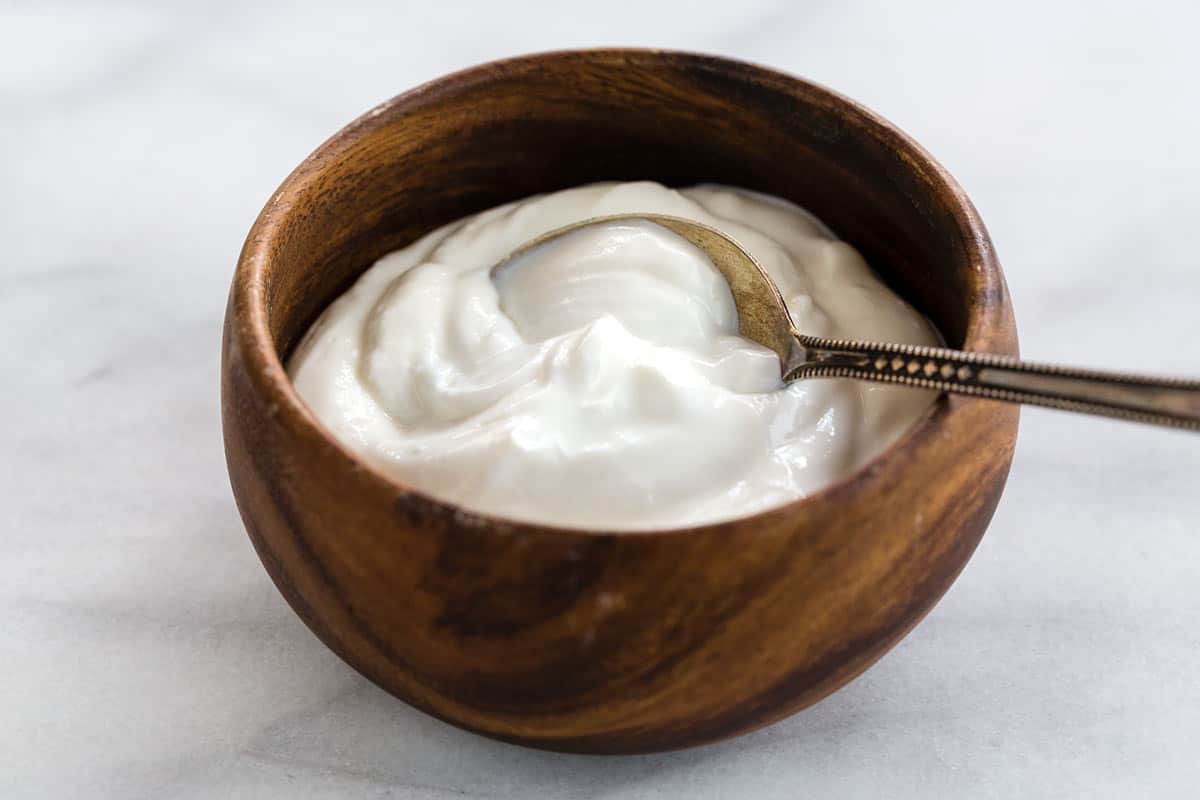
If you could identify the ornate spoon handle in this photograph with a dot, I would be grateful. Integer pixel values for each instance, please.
(1160, 401)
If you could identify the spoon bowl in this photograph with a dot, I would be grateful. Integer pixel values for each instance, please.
(762, 314)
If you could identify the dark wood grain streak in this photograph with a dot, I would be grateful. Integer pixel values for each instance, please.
(592, 640)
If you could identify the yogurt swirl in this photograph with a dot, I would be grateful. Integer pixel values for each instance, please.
(599, 381)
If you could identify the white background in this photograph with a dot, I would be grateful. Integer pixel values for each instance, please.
(145, 653)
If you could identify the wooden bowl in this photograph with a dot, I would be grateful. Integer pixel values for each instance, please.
(591, 640)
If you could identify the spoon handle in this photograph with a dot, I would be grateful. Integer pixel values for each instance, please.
(1160, 401)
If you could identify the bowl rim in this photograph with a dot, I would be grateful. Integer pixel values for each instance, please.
(247, 318)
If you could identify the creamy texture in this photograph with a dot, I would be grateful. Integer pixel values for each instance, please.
(599, 381)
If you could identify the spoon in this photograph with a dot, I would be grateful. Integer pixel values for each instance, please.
(763, 318)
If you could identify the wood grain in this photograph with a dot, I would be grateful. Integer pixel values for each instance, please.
(597, 641)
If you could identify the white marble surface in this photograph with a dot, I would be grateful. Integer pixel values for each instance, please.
(146, 654)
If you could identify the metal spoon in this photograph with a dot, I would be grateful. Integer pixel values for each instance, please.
(763, 318)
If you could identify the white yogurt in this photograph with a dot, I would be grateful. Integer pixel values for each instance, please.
(600, 381)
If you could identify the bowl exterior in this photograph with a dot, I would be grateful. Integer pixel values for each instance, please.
(586, 640)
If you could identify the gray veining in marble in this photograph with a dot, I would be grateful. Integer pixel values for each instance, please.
(145, 653)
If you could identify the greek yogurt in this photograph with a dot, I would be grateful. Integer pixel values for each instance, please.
(599, 381)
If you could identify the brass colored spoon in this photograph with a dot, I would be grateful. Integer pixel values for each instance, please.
(763, 318)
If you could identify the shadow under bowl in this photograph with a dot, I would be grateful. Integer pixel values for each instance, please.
(593, 640)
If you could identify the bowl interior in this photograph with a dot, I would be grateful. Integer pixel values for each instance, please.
(506, 131)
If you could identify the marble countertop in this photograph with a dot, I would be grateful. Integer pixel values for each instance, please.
(145, 651)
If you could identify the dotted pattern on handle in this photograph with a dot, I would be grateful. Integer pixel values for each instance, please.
(965, 373)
